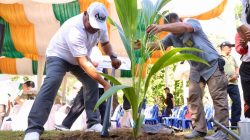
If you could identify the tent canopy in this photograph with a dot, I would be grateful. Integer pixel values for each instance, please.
(30, 24)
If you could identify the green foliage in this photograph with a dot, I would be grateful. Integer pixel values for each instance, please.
(178, 93)
(172, 57)
(156, 93)
(127, 13)
(238, 11)
(131, 24)
(25, 78)
(15, 78)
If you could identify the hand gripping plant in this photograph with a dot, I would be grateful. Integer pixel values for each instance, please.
(132, 32)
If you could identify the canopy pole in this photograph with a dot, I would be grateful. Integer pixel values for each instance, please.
(40, 71)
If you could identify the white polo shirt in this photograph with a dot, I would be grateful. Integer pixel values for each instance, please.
(72, 40)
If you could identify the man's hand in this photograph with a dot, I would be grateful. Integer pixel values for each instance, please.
(106, 86)
(247, 33)
(95, 64)
(108, 50)
(243, 41)
(137, 44)
(234, 77)
(153, 29)
(153, 46)
(116, 63)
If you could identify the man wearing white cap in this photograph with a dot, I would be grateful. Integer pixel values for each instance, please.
(69, 51)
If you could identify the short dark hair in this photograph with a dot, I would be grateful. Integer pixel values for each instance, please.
(166, 88)
(30, 84)
(169, 17)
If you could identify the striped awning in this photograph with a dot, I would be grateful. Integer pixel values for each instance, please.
(30, 24)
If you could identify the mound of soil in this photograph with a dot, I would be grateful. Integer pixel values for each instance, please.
(117, 134)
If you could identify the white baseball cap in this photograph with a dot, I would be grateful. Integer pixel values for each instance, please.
(97, 15)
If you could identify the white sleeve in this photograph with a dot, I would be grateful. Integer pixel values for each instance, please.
(76, 42)
(104, 36)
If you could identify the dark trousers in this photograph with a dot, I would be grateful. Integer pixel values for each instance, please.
(78, 107)
(168, 112)
(126, 104)
(234, 94)
(245, 82)
(56, 68)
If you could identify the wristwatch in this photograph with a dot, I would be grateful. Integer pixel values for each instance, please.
(113, 56)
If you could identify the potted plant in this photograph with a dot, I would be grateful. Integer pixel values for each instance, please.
(132, 31)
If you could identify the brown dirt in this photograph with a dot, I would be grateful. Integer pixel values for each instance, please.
(118, 134)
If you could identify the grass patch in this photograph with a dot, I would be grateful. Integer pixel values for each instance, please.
(19, 135)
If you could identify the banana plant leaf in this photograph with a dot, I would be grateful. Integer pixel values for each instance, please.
(129, 93)
(109, 93)
(172, 57)
(127, 13)
(125, 42)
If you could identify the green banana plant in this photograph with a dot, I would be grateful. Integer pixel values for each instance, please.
(133, 25)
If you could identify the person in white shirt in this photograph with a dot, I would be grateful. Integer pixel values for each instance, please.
(78, 104)
(15, 94)
(26, 91)
(69, 51)
(4, 106)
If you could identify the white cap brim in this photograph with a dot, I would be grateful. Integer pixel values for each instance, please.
(95, 24)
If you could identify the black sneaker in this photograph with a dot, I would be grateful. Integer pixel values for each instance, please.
(9, 119)
(234, 125)
(195, 134)
(61, 127)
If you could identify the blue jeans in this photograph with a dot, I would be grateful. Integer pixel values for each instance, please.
(78, 107)
(234, 94)
(56, 68)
